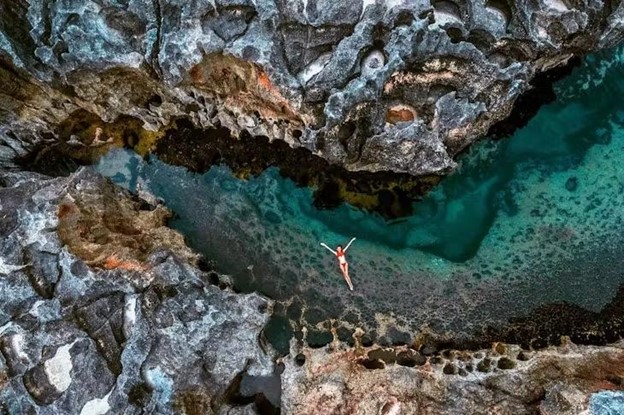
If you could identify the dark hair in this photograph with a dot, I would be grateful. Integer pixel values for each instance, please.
(339, 246)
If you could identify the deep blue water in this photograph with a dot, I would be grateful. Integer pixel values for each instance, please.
(531, 219)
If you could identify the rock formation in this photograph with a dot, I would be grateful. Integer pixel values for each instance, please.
(96, 318)
(398, 86)
(503, 380)
(105, 310)
(140, 329)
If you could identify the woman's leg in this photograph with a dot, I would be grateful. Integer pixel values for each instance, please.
(345, 274)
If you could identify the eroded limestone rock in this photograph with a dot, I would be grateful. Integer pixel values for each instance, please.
(81, 333)
(291, 70)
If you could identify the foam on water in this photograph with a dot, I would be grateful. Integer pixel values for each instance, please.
(532, 219)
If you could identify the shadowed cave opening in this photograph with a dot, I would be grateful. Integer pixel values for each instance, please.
(521, 244)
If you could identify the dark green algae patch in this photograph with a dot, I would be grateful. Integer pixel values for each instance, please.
(389, 194)
(521, 244)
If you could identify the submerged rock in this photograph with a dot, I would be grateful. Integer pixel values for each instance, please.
(398, 86)
(81, 333)
(572, 184)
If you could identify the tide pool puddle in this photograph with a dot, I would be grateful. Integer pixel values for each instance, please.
(525, 221)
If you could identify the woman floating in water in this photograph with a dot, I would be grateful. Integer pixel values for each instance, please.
(342, 260)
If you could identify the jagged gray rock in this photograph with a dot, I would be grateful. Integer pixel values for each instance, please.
(78, 339)
(370, 85)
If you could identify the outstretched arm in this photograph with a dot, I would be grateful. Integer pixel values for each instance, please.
(349, 244)
(332, 251)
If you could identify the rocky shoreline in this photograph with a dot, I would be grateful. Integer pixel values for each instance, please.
(140, 328)
(502, 380)
(103, 309)
(368, 86)
(368, 102)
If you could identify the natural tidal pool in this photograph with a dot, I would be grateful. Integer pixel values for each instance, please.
(533, 219)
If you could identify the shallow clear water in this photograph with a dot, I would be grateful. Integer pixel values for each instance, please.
(528, 220)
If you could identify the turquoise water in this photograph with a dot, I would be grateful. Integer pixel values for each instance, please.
(528, 220)
(607, 403)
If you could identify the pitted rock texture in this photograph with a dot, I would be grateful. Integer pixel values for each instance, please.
(555, 381)
(145, 333)
(397, 86)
